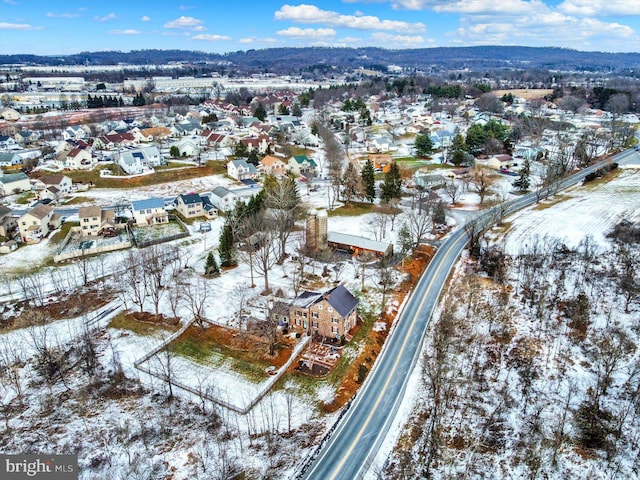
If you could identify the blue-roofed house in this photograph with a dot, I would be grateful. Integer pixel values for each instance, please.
(151, 211)
(193, 205)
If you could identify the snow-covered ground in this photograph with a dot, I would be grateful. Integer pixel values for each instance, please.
(518, 373)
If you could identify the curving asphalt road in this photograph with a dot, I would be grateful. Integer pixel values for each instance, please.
(347, 453)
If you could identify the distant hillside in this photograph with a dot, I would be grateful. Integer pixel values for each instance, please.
(296, 60)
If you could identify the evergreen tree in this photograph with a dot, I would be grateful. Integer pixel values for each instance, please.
(296, 111)
(211, 268)
(392, 186)
(253, 157)
(368, 181)
(174, 151)
(439, 213)
(350, 180)
(260, 113)
(457, 151)
(405, 239)
(424, 145)
(227, 249)
(523, 182)
(283, 109)
(240, 150)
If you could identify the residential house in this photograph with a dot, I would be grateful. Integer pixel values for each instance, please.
(9, 114)
(498, 162)
(193, 205)
(223, 199)
(187, 146)
(11, 183)
(25, 137)
(54, 187)
(240, 169)
(153, 134)
(36, 223)
(271, 165)
(7, 142)
(330, 314)
(302, 165)
(74, 132)
(258, 144)
(9, 159)
(77, 159)
(95, 221)
(429, 181)
(136, 161)
(114, 141)
(8, 222)
(187, 127)
(151, 211)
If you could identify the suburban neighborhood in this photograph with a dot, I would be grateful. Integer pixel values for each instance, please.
(245, 259)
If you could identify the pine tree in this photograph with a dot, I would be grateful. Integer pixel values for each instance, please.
(457, 150)
(350, 187)
(260, 113)
(211, 268)
(424, 145)
(227, 249)
(439, 213)
(523, 182)
(368, 181)
(392, 186)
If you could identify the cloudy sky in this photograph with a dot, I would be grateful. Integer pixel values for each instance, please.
(68, 26)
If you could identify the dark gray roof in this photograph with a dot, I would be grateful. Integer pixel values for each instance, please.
(342, 300)
(191, 198)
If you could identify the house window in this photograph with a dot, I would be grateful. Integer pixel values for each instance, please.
(297, 321)
(330, 309)
(320, 307)
(314, 314)
(314, 324)
(335, 320)
(85, 220)
(334, 329)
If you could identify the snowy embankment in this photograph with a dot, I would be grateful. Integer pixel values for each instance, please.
(532, 370)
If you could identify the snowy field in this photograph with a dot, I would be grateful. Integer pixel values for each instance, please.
(521, 373)
(589, 210)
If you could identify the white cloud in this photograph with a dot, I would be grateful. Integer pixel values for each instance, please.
(312, 14)
(62, 15)
(411, 4)
(184, 22)
(592, 8)
(106, 18)
(307, 32)
(504, 7)
(210, 37)
(145, 18)
(247, 40)
(18, 26)
(129, 31)
(397, 41)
